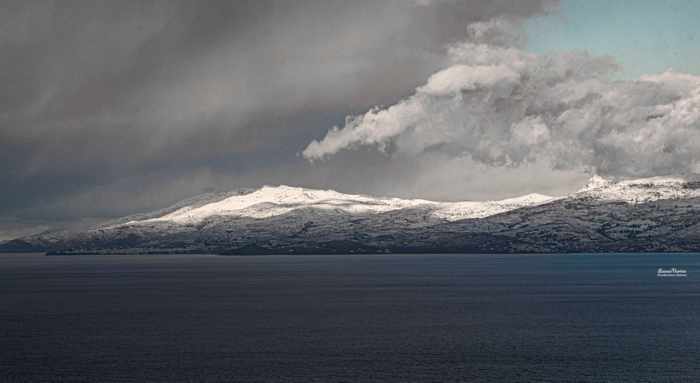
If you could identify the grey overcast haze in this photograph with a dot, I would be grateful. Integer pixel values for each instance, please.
(109, 108)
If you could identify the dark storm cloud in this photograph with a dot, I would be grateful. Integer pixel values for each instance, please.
(108, 107)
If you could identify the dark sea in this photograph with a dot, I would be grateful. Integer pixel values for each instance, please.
(352, 318)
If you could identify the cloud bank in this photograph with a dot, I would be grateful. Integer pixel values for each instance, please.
(501, 106)
(113, 107)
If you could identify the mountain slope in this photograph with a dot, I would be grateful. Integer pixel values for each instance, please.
(273, 201)
(652, 214)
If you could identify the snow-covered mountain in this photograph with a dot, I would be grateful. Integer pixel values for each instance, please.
(650, 214)
(641, 190)
(274, 201)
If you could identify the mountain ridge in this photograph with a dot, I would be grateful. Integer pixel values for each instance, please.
(274, 200)
(648, 214)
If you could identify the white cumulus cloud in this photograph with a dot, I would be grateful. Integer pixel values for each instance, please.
(500, 105)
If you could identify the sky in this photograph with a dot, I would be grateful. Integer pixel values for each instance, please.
(644, 36)
(112, 108)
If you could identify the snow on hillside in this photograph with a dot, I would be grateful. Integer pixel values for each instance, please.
(453, 211)
(287, 219)
(271, 201)
(640, 190)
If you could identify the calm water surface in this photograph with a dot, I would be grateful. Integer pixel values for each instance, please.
(374, 318)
